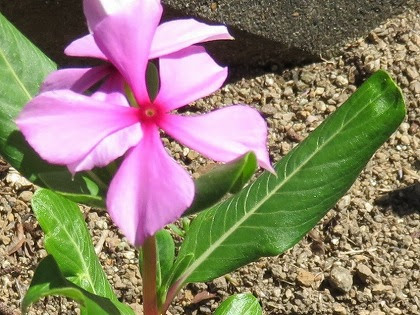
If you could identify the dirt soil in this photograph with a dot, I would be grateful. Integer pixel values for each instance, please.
(363, 258)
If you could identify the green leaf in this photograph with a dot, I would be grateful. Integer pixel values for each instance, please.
(165, 260)
(78, 188)
(94, 201)
(165, 254)
(274, 213)
(243, 304)
(23, 68)
(222, 179)
(64, 181)
(48, 280)
(67, 239)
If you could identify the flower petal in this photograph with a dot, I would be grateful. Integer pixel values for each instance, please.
(178, 34)
(76, 79)
(149, 190)
(125, 39)
(112, 90)
(84, 47)
(96, 10)
(63, 126)
(223, 134)
(186, 76)
(109, 149)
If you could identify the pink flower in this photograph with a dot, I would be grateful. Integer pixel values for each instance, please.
(149, 189)
(132, 23)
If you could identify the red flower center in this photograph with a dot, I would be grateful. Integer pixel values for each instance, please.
(149, 113)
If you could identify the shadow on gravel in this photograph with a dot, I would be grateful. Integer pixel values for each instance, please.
(402, 201)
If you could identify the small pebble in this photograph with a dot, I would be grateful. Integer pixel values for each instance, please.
(404, 127)
(339, 309)
(319, 91)
(364, 272)
(17, 181)
(395, 310)
(307, 77)
(192, 155)
(405, 140)
(26, 195)
(305, 278)
(412, 73)
(379, 288)
(220, 283)
(341, 81)
(341, 279)
(415, 87)
(368, 207)
(129, 255)
(288, 91)
(288, 293)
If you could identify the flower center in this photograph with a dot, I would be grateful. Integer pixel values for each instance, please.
(150, 112)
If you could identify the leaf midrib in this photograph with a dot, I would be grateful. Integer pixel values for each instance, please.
(14, 74)
(216, 244)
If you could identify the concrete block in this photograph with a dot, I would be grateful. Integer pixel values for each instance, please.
(281, 32)
(288, 32)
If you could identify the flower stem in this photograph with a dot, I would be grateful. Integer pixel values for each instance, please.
(150, 306)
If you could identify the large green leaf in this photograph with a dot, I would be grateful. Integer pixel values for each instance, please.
(48, 280)
(222, 179)
(23, 67)
(243, 304)
(275, 212)
(67, 239)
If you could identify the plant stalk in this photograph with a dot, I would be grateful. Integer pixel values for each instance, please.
(150, 306)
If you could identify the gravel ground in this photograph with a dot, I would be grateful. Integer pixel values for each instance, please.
(363, 258)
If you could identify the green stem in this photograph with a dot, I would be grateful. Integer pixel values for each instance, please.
(150, 306)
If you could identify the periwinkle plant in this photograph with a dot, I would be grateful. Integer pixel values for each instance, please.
(100, 130)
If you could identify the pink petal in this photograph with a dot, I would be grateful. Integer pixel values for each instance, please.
(63, 126)
(96, 10)
(222, 135)
(186, 76)
(76, 79)
(125, 39)
(178, 34)
(84, 47)
(109, 149)
(149, 190)
(112, 90)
